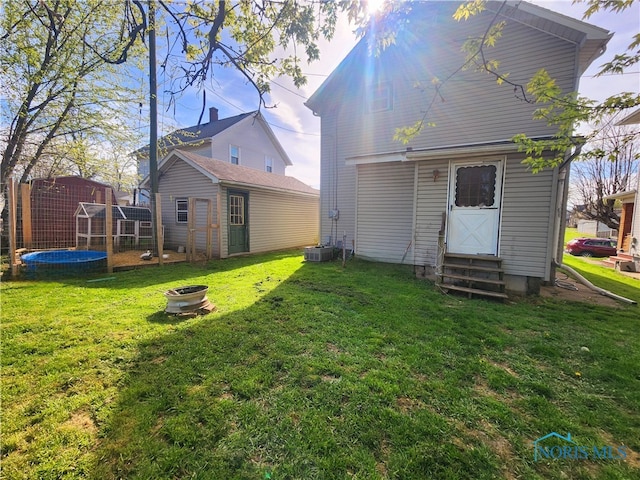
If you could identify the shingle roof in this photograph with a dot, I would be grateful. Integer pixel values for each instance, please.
(97, 210)
(192, 134)
(238, 174)
(200, 132)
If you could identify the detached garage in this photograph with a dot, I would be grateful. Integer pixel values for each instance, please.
(256, 211)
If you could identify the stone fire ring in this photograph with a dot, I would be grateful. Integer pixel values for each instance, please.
(188, 299)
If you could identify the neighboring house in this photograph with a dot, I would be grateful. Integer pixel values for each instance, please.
(595, 228)
(575, 215)
(245, 140)
(629, 233)
(256, 211)
(458, 187)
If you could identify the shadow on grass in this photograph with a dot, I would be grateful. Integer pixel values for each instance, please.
(303, 383)
(163, 318)
(333, 373)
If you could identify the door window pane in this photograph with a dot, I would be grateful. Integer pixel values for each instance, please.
(236, 209)
(476, 186)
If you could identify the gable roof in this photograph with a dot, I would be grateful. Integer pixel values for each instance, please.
(590, 40)
(198, 134)
(631, 119)
(203, 131)
(237, 175)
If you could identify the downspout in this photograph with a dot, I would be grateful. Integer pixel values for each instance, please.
(601, 291)
(563, 176)
(558, 264)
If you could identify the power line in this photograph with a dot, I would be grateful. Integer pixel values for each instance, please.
(291, 130)
(289, 90)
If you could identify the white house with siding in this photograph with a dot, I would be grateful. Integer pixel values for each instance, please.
(256, 211)
(245, 139)
(458, 188)
(629, 233)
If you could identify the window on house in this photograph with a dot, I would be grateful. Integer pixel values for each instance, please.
(268, 164)
(234, 154)
(182, 207)
(476, 186)
(380, 97)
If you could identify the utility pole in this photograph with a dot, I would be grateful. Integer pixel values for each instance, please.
(153, 113)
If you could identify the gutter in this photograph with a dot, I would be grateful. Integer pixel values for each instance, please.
(242, 185)
(575, 153)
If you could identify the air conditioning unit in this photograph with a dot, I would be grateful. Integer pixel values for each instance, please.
(318, 254)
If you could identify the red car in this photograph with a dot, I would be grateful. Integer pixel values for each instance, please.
(592, 247)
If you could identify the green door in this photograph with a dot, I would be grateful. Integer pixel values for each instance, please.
(238, 203)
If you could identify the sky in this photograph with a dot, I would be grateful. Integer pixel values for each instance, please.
(298, 130)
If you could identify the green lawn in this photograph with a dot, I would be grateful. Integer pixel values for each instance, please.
(309, 371)
(571, 233)
(604, 277)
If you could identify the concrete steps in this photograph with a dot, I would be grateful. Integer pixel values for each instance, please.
(622, 261)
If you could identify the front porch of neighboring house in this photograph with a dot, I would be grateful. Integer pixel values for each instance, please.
(624, 261)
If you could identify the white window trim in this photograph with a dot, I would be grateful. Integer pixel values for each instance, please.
(268, 164)
(179, 210)
(371, 97)
(231, 147)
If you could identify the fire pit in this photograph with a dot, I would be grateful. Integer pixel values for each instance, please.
(189, 299)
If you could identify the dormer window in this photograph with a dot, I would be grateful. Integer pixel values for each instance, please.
(380, 97)
(234, 154)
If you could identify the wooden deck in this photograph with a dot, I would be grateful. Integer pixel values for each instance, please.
(131, 259)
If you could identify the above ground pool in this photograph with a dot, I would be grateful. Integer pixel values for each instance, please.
(64, 262)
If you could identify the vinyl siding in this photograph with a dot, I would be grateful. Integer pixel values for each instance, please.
(527, 211)
(276, 220)
(526, 214)
(183, 181)
(204, 150)
(337, 183)
(254, 144)
(385, 212)
(431, 203)
(470, 107)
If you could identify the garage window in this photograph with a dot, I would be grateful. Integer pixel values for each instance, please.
(182, 207)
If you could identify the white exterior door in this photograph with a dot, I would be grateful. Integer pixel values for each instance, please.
(474, 207)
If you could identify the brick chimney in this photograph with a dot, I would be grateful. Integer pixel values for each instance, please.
(213, 114)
